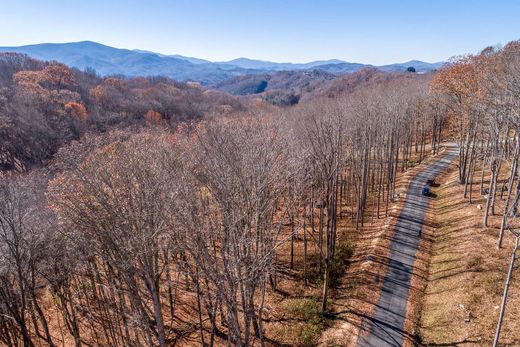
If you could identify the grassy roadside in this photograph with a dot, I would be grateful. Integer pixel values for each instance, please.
(466, 275)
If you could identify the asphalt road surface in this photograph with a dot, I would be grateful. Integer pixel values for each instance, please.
(385, 328)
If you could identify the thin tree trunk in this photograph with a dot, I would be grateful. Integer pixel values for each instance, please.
(504, 295)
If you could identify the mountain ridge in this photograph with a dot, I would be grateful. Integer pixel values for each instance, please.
(107, 60)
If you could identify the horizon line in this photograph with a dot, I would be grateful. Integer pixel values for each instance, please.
(230, 60)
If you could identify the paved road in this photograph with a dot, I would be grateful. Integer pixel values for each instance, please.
(386, 327)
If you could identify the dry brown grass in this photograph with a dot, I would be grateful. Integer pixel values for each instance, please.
(466, 275)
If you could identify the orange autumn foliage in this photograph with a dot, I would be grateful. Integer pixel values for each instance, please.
(154, 117)
(57, 76)
(77, 110)
(457, 80)
(116, 83)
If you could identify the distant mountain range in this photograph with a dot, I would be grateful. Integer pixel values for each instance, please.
(108, 60)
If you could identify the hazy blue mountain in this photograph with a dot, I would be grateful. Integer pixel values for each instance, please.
(342, 67)
(115, 61)
(108, 60)
(190, 59)
(270, 66)
(246, 63)
(420, 66)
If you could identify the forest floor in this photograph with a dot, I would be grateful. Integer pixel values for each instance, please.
(460, 305)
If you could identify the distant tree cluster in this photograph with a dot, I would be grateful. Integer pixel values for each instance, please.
(282, 98)
(46, 105)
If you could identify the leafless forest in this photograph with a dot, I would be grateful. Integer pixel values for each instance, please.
(149, 212)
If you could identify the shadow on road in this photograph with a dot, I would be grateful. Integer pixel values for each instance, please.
(386, 327)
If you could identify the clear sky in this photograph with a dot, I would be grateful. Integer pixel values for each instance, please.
(370, 31)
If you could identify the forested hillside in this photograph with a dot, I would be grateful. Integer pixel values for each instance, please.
(44, 106)
(148, 212)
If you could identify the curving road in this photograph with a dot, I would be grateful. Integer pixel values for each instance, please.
(385, 328)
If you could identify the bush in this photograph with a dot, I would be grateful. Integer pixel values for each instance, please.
(307, 310)
(309, 334)
(337, 265)
(339, 261)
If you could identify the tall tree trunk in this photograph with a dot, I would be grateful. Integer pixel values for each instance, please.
(514, 167)
(491, 189)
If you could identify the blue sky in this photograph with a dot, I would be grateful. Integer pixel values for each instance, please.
(371, 31)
